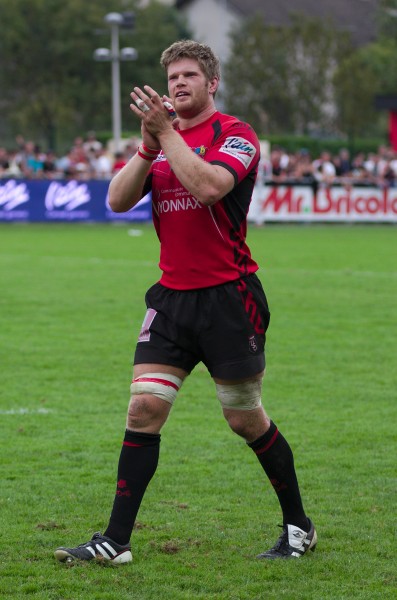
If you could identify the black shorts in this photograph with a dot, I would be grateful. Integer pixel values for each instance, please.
(222, 326)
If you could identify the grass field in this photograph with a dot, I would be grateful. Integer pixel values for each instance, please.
(71, 308)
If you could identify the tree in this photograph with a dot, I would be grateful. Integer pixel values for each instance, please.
(279, 79)
(369, 71)
(51, 88)
(255, 87)
(156, 27)
(387, 19)
(316, 48)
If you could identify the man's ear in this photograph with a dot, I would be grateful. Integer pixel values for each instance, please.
(213, 85)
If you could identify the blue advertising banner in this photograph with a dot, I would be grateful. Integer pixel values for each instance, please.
(36, 200)
(59, 200)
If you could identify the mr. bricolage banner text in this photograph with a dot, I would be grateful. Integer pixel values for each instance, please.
(329, 203)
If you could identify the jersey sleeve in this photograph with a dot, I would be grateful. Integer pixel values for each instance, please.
(236, 148)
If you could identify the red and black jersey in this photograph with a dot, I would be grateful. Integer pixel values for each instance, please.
(203, 246)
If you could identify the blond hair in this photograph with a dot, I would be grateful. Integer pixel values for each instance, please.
(208, 62)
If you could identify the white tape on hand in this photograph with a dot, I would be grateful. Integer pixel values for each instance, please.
(141, 104)
(170, 108)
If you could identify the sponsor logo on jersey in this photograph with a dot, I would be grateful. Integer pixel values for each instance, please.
(178, 204)
(239, 148)
(200, 150)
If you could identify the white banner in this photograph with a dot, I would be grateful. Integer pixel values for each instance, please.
(336, 203)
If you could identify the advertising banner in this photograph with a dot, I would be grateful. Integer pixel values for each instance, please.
(329, 203)
(59, 200)
(74, 201)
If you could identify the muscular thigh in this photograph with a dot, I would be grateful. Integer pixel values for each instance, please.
(233, 343)
(166, 336)
(153, 390)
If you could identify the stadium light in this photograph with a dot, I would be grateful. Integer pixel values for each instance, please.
(115, 55)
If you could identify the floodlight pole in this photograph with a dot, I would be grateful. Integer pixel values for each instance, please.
(115, 21)
(116, 101)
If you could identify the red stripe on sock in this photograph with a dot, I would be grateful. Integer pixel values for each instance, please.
(270, 443)
(132, 445)
(153, 380)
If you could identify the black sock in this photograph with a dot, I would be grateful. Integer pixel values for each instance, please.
(277, 460)
(137, 465)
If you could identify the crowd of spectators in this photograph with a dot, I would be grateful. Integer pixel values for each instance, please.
(374, 168)
(88, 158)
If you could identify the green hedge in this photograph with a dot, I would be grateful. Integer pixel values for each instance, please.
(293, 143)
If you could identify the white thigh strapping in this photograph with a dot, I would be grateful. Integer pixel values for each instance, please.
(241, 396)
(161, 385)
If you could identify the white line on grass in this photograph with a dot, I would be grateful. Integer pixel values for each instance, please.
(25, 411)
